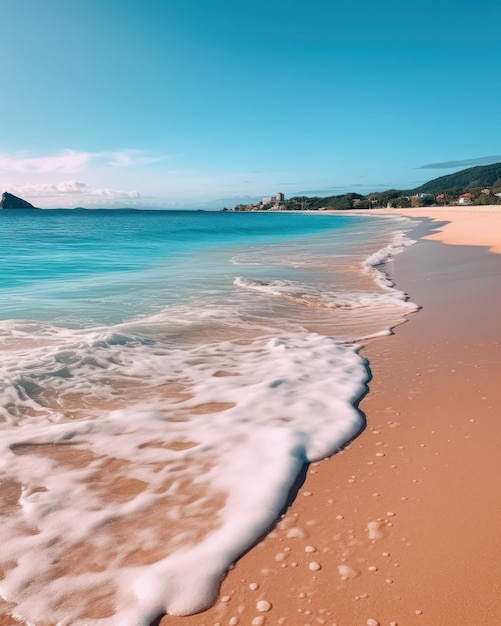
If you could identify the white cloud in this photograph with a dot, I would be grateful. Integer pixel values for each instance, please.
(114, 194)
(66, 161)
(46, 190)
(72, 161)
(68, 193)
(70, 186)
(108, 175)
(125, 158)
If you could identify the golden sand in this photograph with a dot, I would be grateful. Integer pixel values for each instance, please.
(403, 527)
(472, 226)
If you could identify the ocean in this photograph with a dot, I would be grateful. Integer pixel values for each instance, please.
(165, 375)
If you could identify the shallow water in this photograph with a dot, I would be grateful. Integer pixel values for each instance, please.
(164, 377)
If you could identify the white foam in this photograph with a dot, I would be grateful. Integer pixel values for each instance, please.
(288, 400)
(375, 263)
(132, 393)
(375, 311)
(314, 296)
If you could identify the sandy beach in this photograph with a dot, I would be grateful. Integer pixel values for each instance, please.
(402, 527)
(472, 226)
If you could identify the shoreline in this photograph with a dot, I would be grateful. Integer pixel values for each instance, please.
(401, 527)
(456, 225)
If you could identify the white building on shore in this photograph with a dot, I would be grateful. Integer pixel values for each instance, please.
(275, 200)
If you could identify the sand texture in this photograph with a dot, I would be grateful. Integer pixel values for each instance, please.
(473, 225)
(403, 527)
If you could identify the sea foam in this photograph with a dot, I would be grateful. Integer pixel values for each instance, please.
(248, 417)
(138, 460)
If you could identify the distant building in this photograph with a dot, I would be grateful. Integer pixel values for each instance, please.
(465, 198)
(276, 200)
(486, 191)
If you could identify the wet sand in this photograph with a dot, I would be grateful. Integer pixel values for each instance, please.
(403, 526)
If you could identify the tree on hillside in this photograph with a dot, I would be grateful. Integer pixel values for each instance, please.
(403, 202)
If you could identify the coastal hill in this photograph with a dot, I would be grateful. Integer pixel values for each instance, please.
(480, 176)
(9, 201)
(475, 185)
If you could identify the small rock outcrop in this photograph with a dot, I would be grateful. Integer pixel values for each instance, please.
(9, 201)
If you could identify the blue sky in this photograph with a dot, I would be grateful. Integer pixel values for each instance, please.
(174, 103)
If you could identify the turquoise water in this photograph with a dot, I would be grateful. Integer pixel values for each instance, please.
(90, 267)
(164, 377)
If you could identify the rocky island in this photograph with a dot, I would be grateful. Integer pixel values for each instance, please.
(9, 201)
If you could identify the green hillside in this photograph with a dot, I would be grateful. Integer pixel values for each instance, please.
(473, 180)
(480, 176)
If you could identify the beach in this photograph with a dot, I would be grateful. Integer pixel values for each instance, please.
(234, 389)
(402, 526)
(467, 225)
(156, 409)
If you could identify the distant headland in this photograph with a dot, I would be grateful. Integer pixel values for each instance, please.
(9, 201)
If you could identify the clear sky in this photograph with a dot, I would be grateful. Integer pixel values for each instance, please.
(152, 103)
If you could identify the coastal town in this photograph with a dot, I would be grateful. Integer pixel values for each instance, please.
(479, 185)
(353, 201)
